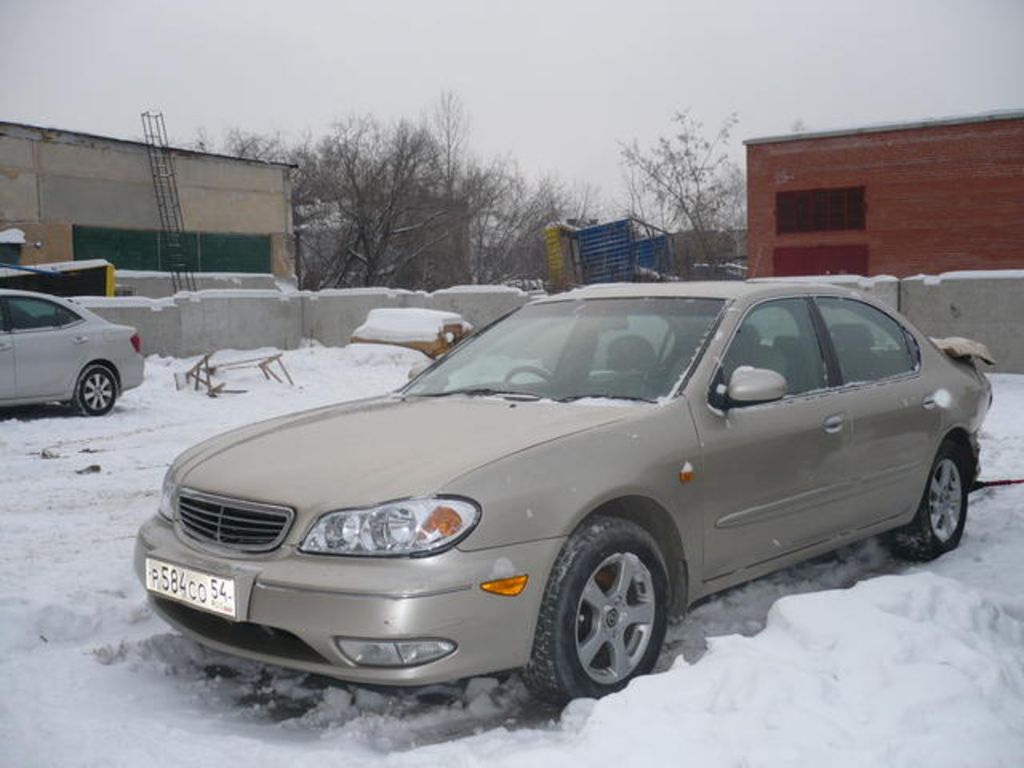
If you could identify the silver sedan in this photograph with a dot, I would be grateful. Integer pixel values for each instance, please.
(53, 350)
(547, 493)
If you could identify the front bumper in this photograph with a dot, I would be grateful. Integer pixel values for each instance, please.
(293, 606)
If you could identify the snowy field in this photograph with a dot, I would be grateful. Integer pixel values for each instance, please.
(850, 660)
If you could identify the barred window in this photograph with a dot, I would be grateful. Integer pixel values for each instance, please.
(819, 210)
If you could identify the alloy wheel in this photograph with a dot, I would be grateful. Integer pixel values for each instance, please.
(945, 499)
(615, 618)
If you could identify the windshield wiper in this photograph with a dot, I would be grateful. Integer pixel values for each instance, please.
(573, 398)
(484, 392)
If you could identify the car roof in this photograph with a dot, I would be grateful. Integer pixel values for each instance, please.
(36, 294)
(721, 289)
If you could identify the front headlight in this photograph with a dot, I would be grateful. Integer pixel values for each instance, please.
(407, 527)
(167, 497)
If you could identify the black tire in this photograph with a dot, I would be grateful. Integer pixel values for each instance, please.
(942, 513)
(619, 567)
(96, 390)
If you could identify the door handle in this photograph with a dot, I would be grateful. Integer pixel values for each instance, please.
(929, 402)
(79, 339)
(834, 424)
(5, 345)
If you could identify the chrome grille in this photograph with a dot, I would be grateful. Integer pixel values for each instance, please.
(245, 526)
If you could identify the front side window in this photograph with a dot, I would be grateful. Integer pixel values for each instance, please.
(29, 314)
(615, 348)
(780, 336)
(869, 344)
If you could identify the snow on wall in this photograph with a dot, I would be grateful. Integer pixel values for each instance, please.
(12, 236)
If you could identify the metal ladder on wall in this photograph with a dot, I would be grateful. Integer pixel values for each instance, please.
(172, 256)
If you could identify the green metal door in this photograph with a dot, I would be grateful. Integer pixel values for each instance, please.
(124, 248)
(234, 253)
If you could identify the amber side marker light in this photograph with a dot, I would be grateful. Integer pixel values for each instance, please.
(510, 587)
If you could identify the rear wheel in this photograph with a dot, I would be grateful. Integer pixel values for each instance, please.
(603, 615)
(942, 513)
(96, 390)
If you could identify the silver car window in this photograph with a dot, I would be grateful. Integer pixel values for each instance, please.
(30, 314)
(780, 336)
(869, 344)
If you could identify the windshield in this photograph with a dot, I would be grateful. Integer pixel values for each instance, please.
(636, 348)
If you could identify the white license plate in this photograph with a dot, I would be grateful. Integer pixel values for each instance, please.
(200, 590)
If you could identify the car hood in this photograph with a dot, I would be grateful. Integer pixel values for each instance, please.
(370, 451)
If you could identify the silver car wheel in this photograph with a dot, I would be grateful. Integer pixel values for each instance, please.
(615, 618)
(97, 391)
(945, 499)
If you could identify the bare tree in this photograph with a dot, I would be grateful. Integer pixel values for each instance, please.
(409, 205)
(686, 182)
(256, 146)
(370, 192)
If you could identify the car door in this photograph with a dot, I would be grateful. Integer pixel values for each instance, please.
(777, 474)
(896, 412)
(6, 356)
(51, 345)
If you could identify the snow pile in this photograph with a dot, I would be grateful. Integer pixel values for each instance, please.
(854, 659)
(899, 670)
(405, 325)
(12, 236)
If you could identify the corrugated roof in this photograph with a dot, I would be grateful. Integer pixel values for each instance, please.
(937, 122)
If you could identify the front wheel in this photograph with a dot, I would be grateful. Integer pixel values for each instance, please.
(942, 513)
(95, 391)
(603, 616)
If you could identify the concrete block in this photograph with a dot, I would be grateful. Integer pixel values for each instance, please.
(99, 202)
(238, 319)
(985, 306)
(330, 316)
(158, 285)
(157, 321)
(478, 304)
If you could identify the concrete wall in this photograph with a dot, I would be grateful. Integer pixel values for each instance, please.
(982, 306)
(331, 316)
(52, 180)
(987, 307)
(158, 285)
(195, 323)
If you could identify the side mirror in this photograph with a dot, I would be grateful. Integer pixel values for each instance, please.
(419, 368)
(751, 386)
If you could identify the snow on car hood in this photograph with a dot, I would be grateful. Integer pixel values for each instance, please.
(363, 453)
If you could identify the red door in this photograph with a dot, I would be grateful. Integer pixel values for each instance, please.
(821, 260)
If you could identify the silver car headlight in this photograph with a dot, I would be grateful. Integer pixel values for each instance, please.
(168, 496)
(407, 527)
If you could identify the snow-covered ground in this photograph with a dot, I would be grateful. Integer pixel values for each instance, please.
(852, 659)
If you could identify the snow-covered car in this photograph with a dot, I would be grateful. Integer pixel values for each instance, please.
(54, 350)
(545, 495)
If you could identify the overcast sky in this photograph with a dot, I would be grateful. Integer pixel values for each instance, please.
(557, 84)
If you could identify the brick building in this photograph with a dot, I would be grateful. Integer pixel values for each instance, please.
(932, 196)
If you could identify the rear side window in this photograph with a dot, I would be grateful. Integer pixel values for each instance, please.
(28, 314)
(869, 344)
(779, 335)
